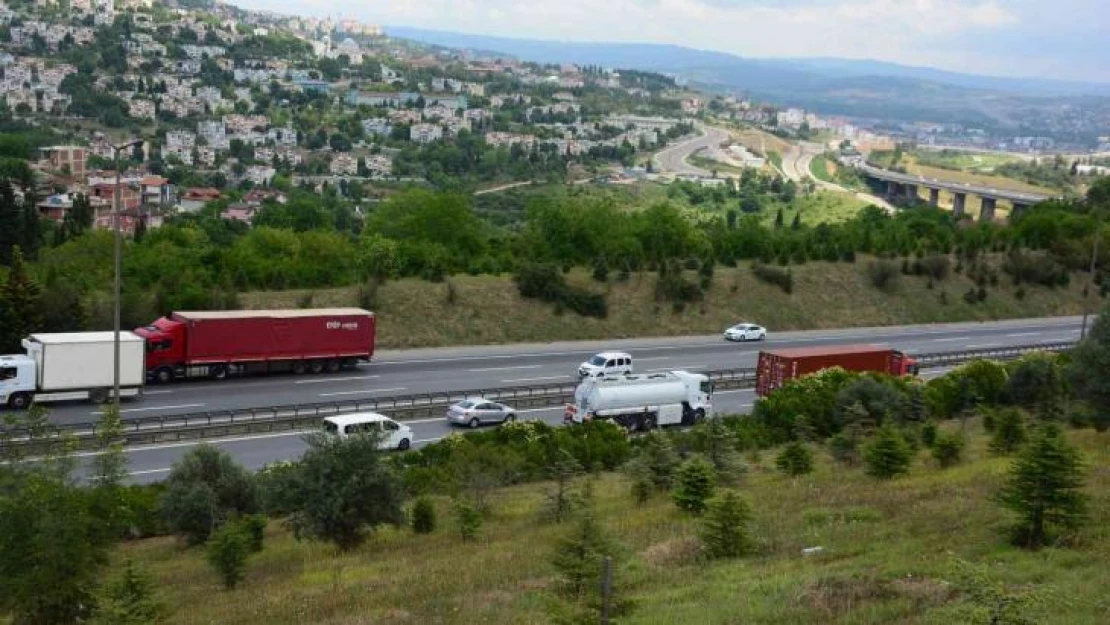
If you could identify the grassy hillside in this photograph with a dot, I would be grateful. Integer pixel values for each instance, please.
(480, 310)
(891, 553)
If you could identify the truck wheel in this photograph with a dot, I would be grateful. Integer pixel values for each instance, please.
(19, 401)
(699, 415)
(299, 367)
(98, 396)
(218, 372)
(316, 366)
(405, 444)
(648, 423)
(332, 365)
(163, 375)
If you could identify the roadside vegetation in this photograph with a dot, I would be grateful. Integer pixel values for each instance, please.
(977, 496)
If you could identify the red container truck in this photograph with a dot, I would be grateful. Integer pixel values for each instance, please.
(217, 344)
(777, 367)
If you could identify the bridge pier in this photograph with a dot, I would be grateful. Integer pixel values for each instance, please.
(892, 189)
(1018, 210)
(959, 204)
(934, 197)
(986, 211)
(911, 193)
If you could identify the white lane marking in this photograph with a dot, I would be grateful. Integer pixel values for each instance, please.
(955, 338)
(1025, 334)
(504, 368)
(982, 346)
(149, 408)
(738, 390)
(362, 392)
(677, 368)
(652, 358)
(347, 379)
(429, 440)
(156, 392)
(546, 377)
(232, 439)
(149, 471)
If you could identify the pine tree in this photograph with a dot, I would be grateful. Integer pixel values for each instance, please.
(1044, 488)
(1009, 431)
(695, 485)
(1090, 360)
(11, 226)
(797, 223)
(724, 532)
(779, 219)
(129, 599)
(659, 460)
(423, 516)
(887, 455)
(579, 555)
(559, 501)
(795, 459)
(20, 307)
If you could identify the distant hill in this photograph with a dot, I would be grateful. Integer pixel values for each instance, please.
(827, 85)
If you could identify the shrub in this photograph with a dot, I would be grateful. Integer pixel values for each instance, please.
(844, 448)
(641, 488)
(1009, 431)
(129, 599)
(545, 282)
(936, 266)
(795, 459)
(423, 516)
(204, 489)
(929, 434)
(883, 275)
(695, 485)
(1035, 269)
(601, 270)
(659, 460)
(724, 532)
(781, 278)
(227, 553)
(673, 287)
(887, 455)
(947, 448)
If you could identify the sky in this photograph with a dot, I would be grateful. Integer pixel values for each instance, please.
(1064, 39)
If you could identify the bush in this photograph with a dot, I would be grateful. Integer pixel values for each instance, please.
(795, 459)
(673, 287)
(227, 553)
(781, 278)
(423, 516)
(929, 434)
(659, 460)
(887, 455)
(546, 283)
(205, 489)
(936, 266)
(695, 485)
(724, 532)
(883, 275)
(1035, 269)
(601, 270)
(844, 448)
(1009, 431)
(129, 599)
(947, 448)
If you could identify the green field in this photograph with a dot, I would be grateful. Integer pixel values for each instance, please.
(889, 552)
(819, 167)
(974, 162)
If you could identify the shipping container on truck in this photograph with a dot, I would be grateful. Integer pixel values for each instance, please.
(777, 367)
(72, 366)
(219, 344)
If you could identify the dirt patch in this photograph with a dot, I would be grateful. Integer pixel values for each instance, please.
(839, 595)
(677, 552)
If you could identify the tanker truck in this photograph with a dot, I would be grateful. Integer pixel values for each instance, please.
(642, 402)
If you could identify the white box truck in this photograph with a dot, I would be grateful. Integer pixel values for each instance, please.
(72, 366)
(641, 402)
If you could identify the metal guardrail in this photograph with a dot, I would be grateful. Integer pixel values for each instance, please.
(224, 423)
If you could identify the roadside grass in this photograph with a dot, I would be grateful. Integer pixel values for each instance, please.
(975, 162)
(758, 140)
(699, 160)
(488, 309)
(997, 182)
(819, 168)
(775, 158)
(889, 552)
(820, 207)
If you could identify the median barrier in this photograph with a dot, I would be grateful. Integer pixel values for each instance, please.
(159, 429)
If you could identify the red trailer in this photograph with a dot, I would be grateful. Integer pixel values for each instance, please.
(217, 344)
(778, 367)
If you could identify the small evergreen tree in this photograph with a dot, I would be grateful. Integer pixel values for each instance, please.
(468, 516)
(695, 485)
(559, 501)
(641, 488)
(20, 308)
(227, 552)
(1009, 431)
(129, 599)
(659, 460)
(947, 447)
(1044, 488)
(579, 555)
(724, 532)
(423, 516)
(795, 459)
(887, 454)
(929, 434)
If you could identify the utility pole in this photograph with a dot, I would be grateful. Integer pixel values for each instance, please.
(116, 219)
(1091, 283)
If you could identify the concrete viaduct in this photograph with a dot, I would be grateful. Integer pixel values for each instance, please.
(906, 185)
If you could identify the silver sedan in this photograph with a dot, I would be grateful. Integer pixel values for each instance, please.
(476, 411)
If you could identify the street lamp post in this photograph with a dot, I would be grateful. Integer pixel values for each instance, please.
(116, 219)
(1091, 284)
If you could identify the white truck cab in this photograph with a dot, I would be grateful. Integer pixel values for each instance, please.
(606, 363)
(17, 381)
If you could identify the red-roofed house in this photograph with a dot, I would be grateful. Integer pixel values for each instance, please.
(194, 199)
(157, 191)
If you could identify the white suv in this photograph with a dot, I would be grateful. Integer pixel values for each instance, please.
(606, 363)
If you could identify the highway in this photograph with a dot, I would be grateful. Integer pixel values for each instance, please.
(955, 187)
(673, 158)
(441, 369)
(796, 164)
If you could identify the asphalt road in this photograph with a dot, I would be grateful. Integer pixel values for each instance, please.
(472, 368)
(673, 159)
(466, 368)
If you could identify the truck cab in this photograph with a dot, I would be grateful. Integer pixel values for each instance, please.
(165, 348)
(17, 381)
(905, 365)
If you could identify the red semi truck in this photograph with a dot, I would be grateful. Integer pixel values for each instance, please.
(217, 344)
(779, 366)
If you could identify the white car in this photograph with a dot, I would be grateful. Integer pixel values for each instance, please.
(746, 332)
(606, 363)
(393, 435)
